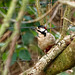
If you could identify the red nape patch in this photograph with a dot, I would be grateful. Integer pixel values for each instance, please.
(45, 27)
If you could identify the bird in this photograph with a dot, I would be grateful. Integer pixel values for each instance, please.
(45, 39)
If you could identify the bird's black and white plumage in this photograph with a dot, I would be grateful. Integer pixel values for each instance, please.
(45, 39)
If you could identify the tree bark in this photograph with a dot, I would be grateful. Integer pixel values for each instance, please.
(47, 59)
(63, 62)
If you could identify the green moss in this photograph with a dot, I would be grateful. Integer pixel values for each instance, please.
(64, 61)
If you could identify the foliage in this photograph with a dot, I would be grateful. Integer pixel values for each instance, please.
(27, 34)
(24, 55)
(14, 58)
(27, 38)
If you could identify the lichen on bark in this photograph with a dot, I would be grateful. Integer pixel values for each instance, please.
(63, 62)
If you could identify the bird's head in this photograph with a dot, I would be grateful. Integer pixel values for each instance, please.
(41, 30)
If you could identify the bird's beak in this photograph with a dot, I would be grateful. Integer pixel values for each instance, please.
(36, 29)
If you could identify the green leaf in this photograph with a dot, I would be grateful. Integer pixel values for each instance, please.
(19, 48)
(31, 10)
(74, 14)
(23, 29)
(4, 56)
(24, 55)
(37, 23)
(31, 1)
(14, 58)
(52, 25)
(27, 38)
(27, 18)
(34, 33)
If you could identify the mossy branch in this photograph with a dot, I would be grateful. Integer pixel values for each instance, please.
(47, 59)
(6, 20)
(70, 3)
(65, 23)
(64, 61)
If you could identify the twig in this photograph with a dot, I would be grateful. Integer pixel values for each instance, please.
(32, 4)
(37, 3)
(2, 14)
(46, 59)
(70, 3)
(20, 66)
(9, 39)
(7, 34)
(55, 12)
(61, 14)
(72, 23)
(6, 20)
(65, 23)
(15, 36)
(49, 6)
(6, 44)
(32, 10)
(39, 18)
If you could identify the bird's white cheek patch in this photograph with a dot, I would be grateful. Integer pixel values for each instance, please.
(41, 29)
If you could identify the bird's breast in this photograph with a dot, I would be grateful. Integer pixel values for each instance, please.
(44, 42)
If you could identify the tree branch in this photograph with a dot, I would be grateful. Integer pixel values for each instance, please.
(46, 59)
(65, 23)
(54, 14)
(6, 20)
(39, 11)
(8, 40)
(39, 18)
(70, 3)
(63, 62)
(15, 36)
(72, 23)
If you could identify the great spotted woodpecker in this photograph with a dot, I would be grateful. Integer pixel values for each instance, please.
(45, 39)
